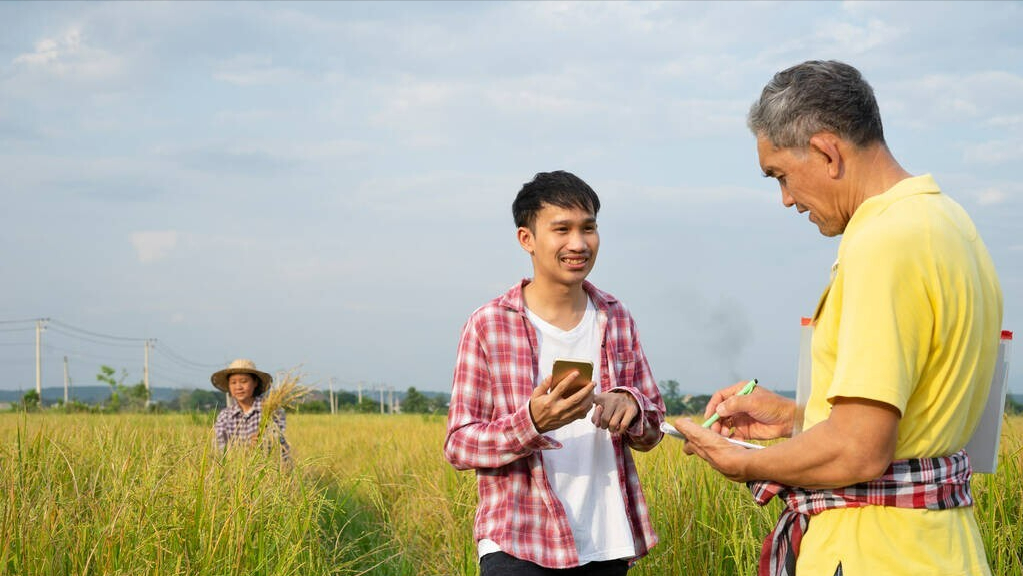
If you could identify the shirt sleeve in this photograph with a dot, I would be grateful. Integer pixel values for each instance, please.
(475, 437)
(633, 376)
(220, 431)
(886, 320)
(279, 422)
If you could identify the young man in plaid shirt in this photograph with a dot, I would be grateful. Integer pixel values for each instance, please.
(558, 489)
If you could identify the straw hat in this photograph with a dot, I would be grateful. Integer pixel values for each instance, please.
(241, 366)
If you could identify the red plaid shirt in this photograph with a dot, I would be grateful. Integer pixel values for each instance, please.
(932, 483)
(490, 429)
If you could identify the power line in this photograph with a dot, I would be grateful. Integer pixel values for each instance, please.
(94, 341)
(96, 334)
(161, 369)
(82, 356)
(110, 340)
(160, 346)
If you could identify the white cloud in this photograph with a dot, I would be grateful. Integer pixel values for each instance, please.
(991, 196)
(1006, 121)
(411, 98)
(667, 198)
(848, 38)
(535, 101)
(253, 70)
(70, 56)
(151, 246)
(945, 98)
(994, 153)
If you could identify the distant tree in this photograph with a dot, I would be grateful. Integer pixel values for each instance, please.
(30, 400)
(77, 406)
(439, 404)
(202, 400)
(673, 403)
(134, 397)
(695, 404)
(414, 402)
(1012, 406)
(106, 375)
(313, 407)
(345, 399)
(367, 406)
(137, 396)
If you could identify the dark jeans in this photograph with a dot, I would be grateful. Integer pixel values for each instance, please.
(501, 564)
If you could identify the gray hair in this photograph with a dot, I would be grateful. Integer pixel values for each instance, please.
(816, 96)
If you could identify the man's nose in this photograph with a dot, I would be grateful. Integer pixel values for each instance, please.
(787, 199)
(576, 241)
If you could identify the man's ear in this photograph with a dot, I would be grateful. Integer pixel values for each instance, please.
(829, 147)
(526, 239)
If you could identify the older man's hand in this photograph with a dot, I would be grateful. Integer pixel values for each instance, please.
(727, 458)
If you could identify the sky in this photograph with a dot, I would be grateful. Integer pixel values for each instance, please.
(327, 187)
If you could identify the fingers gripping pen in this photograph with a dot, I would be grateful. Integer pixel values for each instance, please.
(745, 390)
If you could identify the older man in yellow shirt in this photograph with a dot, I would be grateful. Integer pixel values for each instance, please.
(904, 345)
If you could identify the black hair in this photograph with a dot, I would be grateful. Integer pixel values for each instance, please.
(558, 188)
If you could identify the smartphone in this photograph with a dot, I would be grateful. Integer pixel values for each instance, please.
(564, 366)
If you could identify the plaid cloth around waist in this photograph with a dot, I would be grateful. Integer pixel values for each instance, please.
(931, 483)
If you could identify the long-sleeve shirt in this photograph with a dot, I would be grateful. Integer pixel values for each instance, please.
(490, 428)
(235, 426)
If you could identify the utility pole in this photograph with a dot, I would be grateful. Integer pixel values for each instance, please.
(65, 381)
(39, 358)
(390, 396)
(381, 387)
(360, 393)
(145, 369)
(333, 409)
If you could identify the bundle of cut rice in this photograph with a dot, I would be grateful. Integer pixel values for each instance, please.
(284, 394)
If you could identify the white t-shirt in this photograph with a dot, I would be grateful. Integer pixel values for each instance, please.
(583, 474)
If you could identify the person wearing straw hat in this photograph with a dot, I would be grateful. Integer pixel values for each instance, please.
(239, 422)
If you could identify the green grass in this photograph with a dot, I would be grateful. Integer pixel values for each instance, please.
(367, 494)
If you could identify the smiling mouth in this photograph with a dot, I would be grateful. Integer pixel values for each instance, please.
(575, 261)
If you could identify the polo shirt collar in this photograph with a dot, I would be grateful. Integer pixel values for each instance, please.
(875, 205)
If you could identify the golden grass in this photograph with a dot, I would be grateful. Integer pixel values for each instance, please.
(368, 494)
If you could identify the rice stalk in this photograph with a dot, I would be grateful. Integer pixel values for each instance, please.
(285, 395)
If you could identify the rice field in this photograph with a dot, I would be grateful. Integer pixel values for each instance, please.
(366, 494)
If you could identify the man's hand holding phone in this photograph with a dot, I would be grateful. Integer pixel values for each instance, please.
(563, 397)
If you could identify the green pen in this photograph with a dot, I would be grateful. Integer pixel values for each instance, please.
(745, 390)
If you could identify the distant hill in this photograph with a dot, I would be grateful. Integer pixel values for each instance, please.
(99, 394)
(87, 394)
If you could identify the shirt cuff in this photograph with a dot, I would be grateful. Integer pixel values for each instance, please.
(526, 433)
(638, 426)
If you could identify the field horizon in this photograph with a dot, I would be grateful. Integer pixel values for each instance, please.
(365, 494)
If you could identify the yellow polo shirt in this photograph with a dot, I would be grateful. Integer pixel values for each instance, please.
(912, 318)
